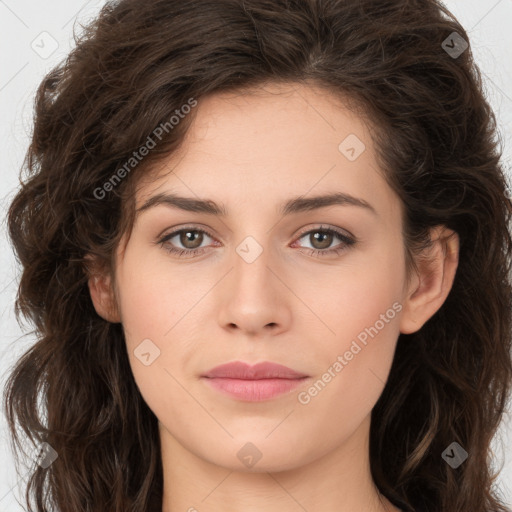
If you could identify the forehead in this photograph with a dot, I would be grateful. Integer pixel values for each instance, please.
(273, 122)
(269, 144)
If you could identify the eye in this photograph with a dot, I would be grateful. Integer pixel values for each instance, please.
(322, 237)
(191, 238)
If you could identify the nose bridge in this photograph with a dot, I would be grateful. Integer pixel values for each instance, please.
(252, 260)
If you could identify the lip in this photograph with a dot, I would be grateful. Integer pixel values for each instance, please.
(262, 381)
(265, 370)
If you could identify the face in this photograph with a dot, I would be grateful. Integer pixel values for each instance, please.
(277, 277)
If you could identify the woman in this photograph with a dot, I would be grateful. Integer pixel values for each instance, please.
(193, 353)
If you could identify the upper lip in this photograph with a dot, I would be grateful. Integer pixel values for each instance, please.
(265, 370)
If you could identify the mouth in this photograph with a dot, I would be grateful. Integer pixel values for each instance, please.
(253, 383)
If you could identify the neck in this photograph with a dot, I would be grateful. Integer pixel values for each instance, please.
(338, 481)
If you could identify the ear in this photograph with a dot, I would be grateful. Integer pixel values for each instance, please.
(102, 291)
(436, 272)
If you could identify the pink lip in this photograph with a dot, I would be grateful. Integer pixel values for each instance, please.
(253, 383)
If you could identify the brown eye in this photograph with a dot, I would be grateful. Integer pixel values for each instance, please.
(186, 242)
(322, 239)
(191, 239)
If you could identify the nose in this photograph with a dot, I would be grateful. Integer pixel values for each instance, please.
(254, 298)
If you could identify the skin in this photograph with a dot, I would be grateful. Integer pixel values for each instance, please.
(251, 152)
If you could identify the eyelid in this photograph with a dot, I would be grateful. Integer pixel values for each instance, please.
(178, 230)
(323, 227)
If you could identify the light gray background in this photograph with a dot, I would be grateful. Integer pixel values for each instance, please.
(29, 32)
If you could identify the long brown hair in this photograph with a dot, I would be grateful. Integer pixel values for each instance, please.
(415, 82)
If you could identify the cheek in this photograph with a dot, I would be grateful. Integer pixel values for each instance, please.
(159, 313)
(152, 299)
(355, 362)
(362, 310)
(362, 301)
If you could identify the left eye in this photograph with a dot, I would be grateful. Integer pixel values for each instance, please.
(324, 237)
(192, 238)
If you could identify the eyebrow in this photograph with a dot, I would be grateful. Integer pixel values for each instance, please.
(294, 205)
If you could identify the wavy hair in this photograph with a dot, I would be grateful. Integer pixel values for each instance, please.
(135, 66)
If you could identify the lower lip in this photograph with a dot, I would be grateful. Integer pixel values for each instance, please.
(254, 390)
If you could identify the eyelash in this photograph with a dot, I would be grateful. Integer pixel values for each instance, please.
(347, 241)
